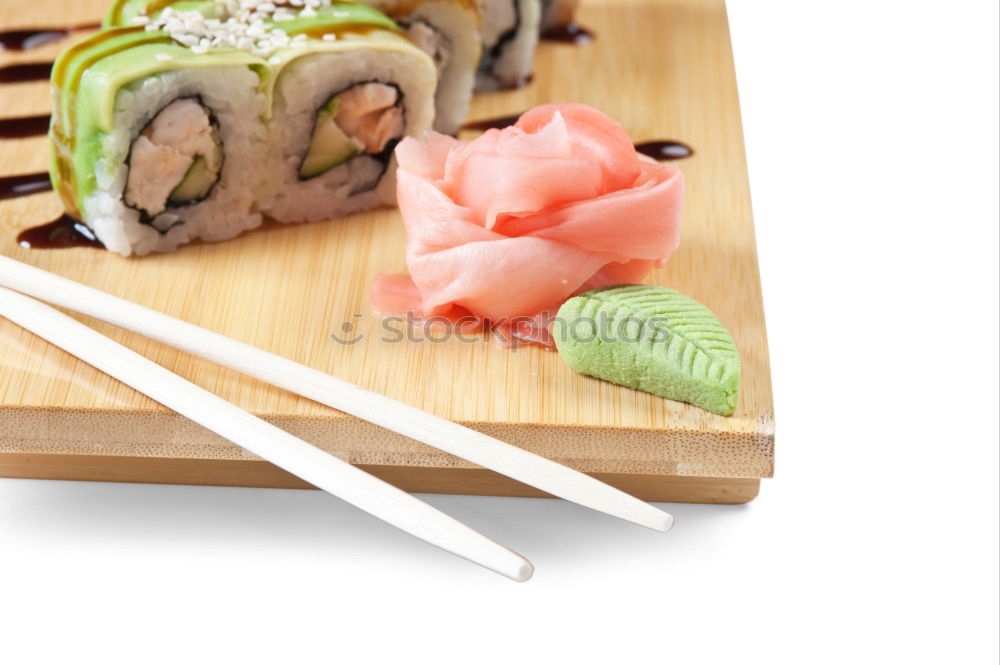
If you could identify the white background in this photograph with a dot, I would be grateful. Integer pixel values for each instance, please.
(872, 137)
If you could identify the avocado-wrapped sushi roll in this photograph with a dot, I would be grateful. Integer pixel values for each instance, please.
(448, 31)
(510, 34)
(191, 126)
(154, 144)
(340, 104)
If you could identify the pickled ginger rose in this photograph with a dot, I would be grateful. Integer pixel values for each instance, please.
(513, 223)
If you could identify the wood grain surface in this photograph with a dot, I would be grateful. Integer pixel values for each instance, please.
(662, 68)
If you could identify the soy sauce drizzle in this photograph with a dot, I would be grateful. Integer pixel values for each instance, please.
(62, 232)
(14, 186)
(571, 33)
(664, 150)
(25, 39)
(19, 128)
(28, 71)
(660, 150)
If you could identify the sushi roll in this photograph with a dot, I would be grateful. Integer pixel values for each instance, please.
(191, 127)
(510, 34)
(152, 143)
(557, 14)
(340, 104)
(447, 30)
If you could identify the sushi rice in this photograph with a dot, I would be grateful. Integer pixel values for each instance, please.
(510, 34)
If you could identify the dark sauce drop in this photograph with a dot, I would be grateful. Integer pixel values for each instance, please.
(25, 39)
(60, 233)
(491, 123)
(14, 186)
(19, 128)
(571, 33)
(664, 150)
(29, 71)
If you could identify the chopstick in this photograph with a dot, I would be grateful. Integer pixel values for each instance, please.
(486, 451)
(313, 465)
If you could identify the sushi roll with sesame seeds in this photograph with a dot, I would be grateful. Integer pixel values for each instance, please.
(509, 33)
(151, 140)
(186, 126)
(448, 31)
(340, 104)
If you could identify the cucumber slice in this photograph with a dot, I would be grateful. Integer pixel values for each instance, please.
(200, 176)
(329, 146)
(196, 183)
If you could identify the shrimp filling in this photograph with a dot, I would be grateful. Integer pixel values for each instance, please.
(362, 120)
(176, 159)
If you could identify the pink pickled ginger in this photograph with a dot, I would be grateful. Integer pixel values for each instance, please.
(513, 223)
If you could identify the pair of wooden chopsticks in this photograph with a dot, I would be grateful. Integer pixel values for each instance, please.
(277, 446)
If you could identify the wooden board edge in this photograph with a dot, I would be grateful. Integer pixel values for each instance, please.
(165, 434)
(247, 473)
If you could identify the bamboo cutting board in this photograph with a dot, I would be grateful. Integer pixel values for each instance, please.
(663, 69)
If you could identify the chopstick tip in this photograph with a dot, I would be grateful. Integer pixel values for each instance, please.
(668, 522)
(524, 572)
(659, 520)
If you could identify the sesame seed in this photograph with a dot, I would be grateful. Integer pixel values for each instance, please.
(246, 25)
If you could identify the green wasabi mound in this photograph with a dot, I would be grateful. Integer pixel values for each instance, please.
(653, 339)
